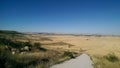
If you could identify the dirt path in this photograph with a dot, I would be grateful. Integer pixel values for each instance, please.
(82, 61)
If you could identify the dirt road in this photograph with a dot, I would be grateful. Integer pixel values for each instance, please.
(82, 61)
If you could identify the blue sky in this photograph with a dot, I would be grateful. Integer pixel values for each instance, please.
(61, 16)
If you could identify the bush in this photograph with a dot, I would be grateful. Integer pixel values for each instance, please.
(27, 44)
(4, 55)
(8, 42)
(111, 58)
(69, 54)
(7, 60)
(38, 46)
(16, 44)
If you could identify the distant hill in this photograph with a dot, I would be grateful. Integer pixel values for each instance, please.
(9, 32)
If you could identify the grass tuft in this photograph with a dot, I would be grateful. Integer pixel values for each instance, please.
(111, 57)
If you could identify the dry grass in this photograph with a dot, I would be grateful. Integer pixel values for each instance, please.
(92, 45)
(97, 47)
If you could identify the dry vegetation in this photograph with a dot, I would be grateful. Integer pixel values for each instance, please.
(52, 49)
(28, 51)
(103, 50)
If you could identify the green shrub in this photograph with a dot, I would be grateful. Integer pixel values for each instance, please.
(69, 54)
(111, 57)
(7, 60)
(4, 55)
(27, 44)
(38, 46)
(14, 44)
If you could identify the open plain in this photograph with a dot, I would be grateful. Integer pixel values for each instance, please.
(103, 50)
(42, 50)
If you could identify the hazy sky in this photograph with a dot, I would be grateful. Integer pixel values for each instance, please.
(61, 16)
